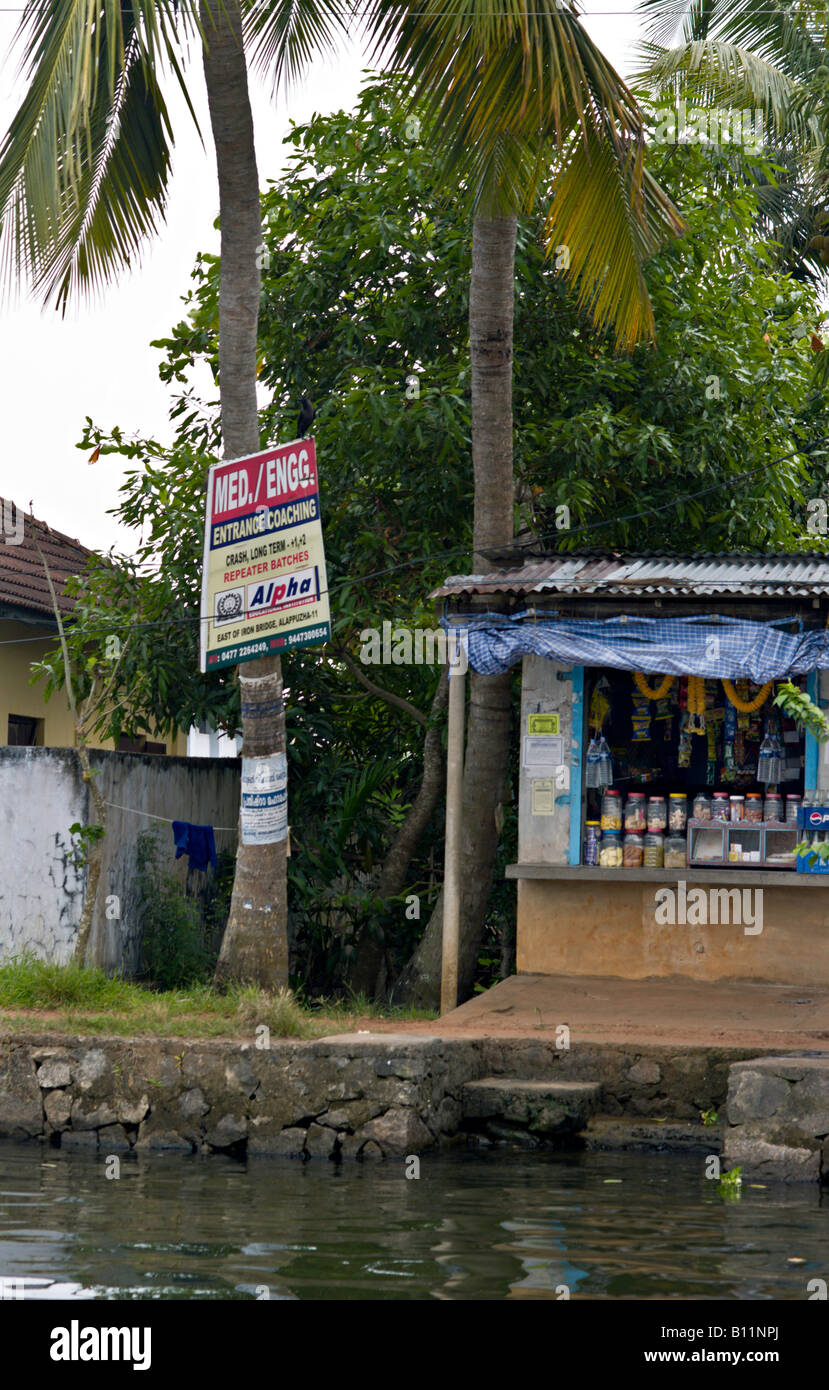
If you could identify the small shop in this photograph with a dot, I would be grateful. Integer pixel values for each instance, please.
(661, 787)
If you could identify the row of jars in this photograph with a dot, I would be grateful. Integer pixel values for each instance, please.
(652, 813)
(752, 807)
(613, 850)
(656, 814)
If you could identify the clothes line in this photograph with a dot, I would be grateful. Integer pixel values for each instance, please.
(167, 819)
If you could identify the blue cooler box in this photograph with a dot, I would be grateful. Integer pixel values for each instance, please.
(810, 819)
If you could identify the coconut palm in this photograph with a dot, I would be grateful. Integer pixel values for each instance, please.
(513, 91)
(515, 95)
(747, 56)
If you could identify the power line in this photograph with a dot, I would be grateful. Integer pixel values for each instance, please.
(489, 552)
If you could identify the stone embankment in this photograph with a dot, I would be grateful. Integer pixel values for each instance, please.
(386, 1094)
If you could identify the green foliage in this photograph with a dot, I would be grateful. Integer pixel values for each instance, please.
(364, 305)
(730, 1184)
(796, 704)
(180, 939)
(709, 1117)
(27, 982)
(83, 839)
(687, 438)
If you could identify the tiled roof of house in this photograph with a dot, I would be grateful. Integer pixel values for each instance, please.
(22, 576)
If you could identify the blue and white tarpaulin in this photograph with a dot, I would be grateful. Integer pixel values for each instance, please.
(729, 648)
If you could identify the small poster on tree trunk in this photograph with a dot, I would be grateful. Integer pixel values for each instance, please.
(264, 799)
(264, 583)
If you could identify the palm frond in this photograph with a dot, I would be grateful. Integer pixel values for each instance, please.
(608, 214)
(286, 34)
(515, 89)
(720, 72)
(85, 161)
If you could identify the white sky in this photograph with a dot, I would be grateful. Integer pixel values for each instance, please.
(97, 360)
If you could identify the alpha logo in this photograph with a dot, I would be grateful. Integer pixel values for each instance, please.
(230, 605)
(274, 594)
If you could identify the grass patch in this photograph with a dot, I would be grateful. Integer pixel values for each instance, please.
(38, 996)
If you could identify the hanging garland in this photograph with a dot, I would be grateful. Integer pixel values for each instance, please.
(696, 705)
(747, 706)
(644, 689)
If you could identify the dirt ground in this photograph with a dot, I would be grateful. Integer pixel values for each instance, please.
(606, 1009)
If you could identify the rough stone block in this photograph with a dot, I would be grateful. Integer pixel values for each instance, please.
(645, 1073)
(94, 1072)
(193, 1104)
(753, 1095)
(54, 1074)
(103, 1114)
(229, 1131)
(132, 1112)
(21, 1105)
(79, 1139)
(399, 1131)
(320, 1141)
(772, 1162)
(285, 1143)
(113, 1139)
(58, 1107)
(158, 1140)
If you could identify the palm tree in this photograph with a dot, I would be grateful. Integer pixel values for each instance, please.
(743, 56)
(84, 170)
(515, 94)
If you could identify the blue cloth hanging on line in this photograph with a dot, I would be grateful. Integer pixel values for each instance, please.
(196, 841)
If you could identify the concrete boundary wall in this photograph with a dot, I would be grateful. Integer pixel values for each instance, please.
(42, 793)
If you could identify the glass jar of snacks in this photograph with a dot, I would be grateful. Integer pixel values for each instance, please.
(792, 808)
(701, 809)
(654, 851)
(754, 807)
(719, 806)
(591, 842)
(611, 810)
(657, 813)
(610, 849)
(677, 812)
(773, 807)
(675, 855)
(635, 818)
(735, 807)
(633, 850)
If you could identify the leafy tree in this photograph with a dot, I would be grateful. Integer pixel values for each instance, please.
(365, 274)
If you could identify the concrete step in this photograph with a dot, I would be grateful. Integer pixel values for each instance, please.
(609, 1134)
(542, 1107)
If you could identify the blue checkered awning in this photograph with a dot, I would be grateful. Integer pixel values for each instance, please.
(685, 646)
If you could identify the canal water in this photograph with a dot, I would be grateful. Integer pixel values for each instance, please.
(473, 1225)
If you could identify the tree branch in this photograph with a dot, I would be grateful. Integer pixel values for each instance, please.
(378, 690)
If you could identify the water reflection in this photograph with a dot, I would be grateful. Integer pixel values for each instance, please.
(493, 1225)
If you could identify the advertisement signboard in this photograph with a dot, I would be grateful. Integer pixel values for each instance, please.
(264, 584)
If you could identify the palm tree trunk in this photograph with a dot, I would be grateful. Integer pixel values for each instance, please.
(491, 312)
(255, 945)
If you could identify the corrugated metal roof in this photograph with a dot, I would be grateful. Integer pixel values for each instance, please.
(745, 575)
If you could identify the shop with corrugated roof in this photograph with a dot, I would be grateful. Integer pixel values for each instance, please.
(659, 780)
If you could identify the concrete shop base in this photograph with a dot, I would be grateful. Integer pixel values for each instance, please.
(385, 1095)
(588, 926)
